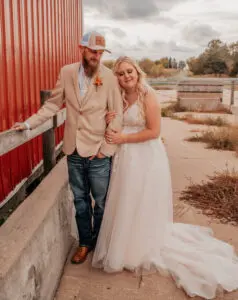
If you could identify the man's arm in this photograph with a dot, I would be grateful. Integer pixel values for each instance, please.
(115, 104)
(50, 107)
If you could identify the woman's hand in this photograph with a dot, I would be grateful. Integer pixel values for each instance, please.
(113, 137)
(110, 115)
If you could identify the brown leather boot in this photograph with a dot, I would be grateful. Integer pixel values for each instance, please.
(80, 255)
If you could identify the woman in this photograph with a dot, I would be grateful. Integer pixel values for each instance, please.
(137, 231)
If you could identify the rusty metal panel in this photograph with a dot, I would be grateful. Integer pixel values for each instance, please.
(37, 37)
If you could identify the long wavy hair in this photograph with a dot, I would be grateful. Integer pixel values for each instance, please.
(142, 86)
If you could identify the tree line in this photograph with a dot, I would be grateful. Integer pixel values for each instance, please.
(218, 58)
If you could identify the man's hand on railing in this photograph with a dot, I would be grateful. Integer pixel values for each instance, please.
(20, 126)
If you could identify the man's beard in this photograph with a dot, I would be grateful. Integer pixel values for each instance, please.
(89, 69)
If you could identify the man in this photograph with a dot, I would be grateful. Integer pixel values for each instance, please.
(88, 89)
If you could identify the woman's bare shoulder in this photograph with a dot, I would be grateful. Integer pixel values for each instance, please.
(151, 96)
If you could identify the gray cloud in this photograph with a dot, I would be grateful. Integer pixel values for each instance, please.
(215, 15)
(101, 29)
(221, 15)
(105, 30)
(131, 9)
(118, 32)
(118, 21)
(174, 47)
(140, 45)
(154, 50)
(166, 21)
(199, 34)
(170, 47)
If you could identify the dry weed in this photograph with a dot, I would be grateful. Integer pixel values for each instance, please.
(218, 197)
(225, 138)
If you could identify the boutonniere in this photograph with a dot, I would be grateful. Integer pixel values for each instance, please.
(97, 82)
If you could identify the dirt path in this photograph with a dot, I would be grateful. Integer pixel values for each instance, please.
(187, 160)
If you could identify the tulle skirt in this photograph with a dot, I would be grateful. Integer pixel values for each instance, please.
(138, 232)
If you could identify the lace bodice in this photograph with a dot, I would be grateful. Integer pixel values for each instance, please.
(133, 118)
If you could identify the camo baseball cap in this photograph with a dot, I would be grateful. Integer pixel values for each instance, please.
(94, 40)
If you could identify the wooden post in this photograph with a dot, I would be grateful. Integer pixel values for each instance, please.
(48, 138)
(232, 92)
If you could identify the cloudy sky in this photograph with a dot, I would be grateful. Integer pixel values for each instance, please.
(157, 28)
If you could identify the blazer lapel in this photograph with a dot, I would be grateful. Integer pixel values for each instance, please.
(76, 83)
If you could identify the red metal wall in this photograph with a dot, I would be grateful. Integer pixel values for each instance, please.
(37, 37)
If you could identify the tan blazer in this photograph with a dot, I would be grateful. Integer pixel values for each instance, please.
(85, 124)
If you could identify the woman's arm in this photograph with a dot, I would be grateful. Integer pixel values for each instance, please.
(152, 130)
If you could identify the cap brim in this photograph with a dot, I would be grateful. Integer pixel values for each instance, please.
(99, 48)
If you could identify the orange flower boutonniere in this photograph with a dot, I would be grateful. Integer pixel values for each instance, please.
(98, 82)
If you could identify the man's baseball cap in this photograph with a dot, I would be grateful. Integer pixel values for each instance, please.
(94, 40)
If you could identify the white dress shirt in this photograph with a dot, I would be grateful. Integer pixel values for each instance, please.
(83, 80)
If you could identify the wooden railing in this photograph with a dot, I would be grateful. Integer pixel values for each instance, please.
(11, 139)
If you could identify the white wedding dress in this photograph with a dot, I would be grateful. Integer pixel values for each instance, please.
(138, 232)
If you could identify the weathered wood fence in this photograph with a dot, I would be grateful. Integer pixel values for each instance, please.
(12, 139)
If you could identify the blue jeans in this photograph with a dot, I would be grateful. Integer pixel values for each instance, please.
(87, 176)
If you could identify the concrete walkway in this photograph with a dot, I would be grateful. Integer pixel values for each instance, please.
(187, 160)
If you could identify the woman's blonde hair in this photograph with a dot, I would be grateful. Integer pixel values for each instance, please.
(142, 87)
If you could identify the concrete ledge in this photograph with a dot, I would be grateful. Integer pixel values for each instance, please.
(36, 239)
(234, 110)
(201, 104)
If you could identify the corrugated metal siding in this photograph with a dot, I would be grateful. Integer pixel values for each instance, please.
(37, 37)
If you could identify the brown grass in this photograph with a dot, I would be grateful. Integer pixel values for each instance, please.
(208, 75)
(195, 130)
(218, 197)
(221, 109)
(164, 87)
(225, 138)
(190, 119)
(169, 110)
